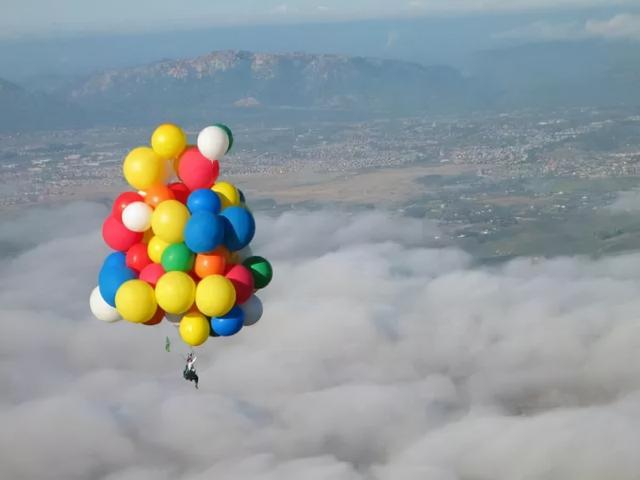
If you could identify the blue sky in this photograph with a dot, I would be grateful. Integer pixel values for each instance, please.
(36, 18)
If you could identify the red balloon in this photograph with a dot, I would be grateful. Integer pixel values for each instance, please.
(194, 275)
(121, 202)
(242, 280)
(180, 191)
(138, 257)
(157, 317)
(117, 236)
(197, 171)
(152, 273)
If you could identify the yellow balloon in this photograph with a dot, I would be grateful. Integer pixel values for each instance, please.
(136, 301)
(228, 193)
(169, 219)
(194, 329)
(175, 163)
(143, 168)
(168, 140)
(156, 248)
(215, 295)
(175, 292)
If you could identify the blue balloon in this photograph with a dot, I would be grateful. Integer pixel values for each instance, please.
(239, 227)
(204, 232)
(115, 259)
(212, 332)
(204, 199)
(110, 279)
(229, 324)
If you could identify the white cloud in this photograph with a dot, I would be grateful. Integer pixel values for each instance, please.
(620, 26)
(378, 357)
(392, 39)
(546, 31)
(282, 8)
(418, 4)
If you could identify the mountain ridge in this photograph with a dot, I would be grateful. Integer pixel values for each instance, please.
(243, 79)
(240, 84)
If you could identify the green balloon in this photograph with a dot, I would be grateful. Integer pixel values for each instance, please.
(177, 257)
(261, 270)
(229, 134)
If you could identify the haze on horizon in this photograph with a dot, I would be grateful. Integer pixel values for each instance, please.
(79, 38)
(32, 18)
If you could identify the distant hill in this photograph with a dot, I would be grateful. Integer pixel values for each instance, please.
(562, 73)
(240, 80)
(23, 110)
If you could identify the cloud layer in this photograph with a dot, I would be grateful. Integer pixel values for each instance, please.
(622, 26)
(378, 356)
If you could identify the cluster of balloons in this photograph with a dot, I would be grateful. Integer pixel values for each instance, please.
(181, 248)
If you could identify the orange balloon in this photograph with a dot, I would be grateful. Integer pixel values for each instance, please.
(212, 263)
(147, 236)
(158, 193)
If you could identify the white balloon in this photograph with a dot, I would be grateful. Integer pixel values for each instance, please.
(174, 319)
(213, 142)
(137, 216)
(101, 309)
(252, 309)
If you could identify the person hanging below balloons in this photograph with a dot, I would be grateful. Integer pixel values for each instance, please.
(189, 372)
(191, 360)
